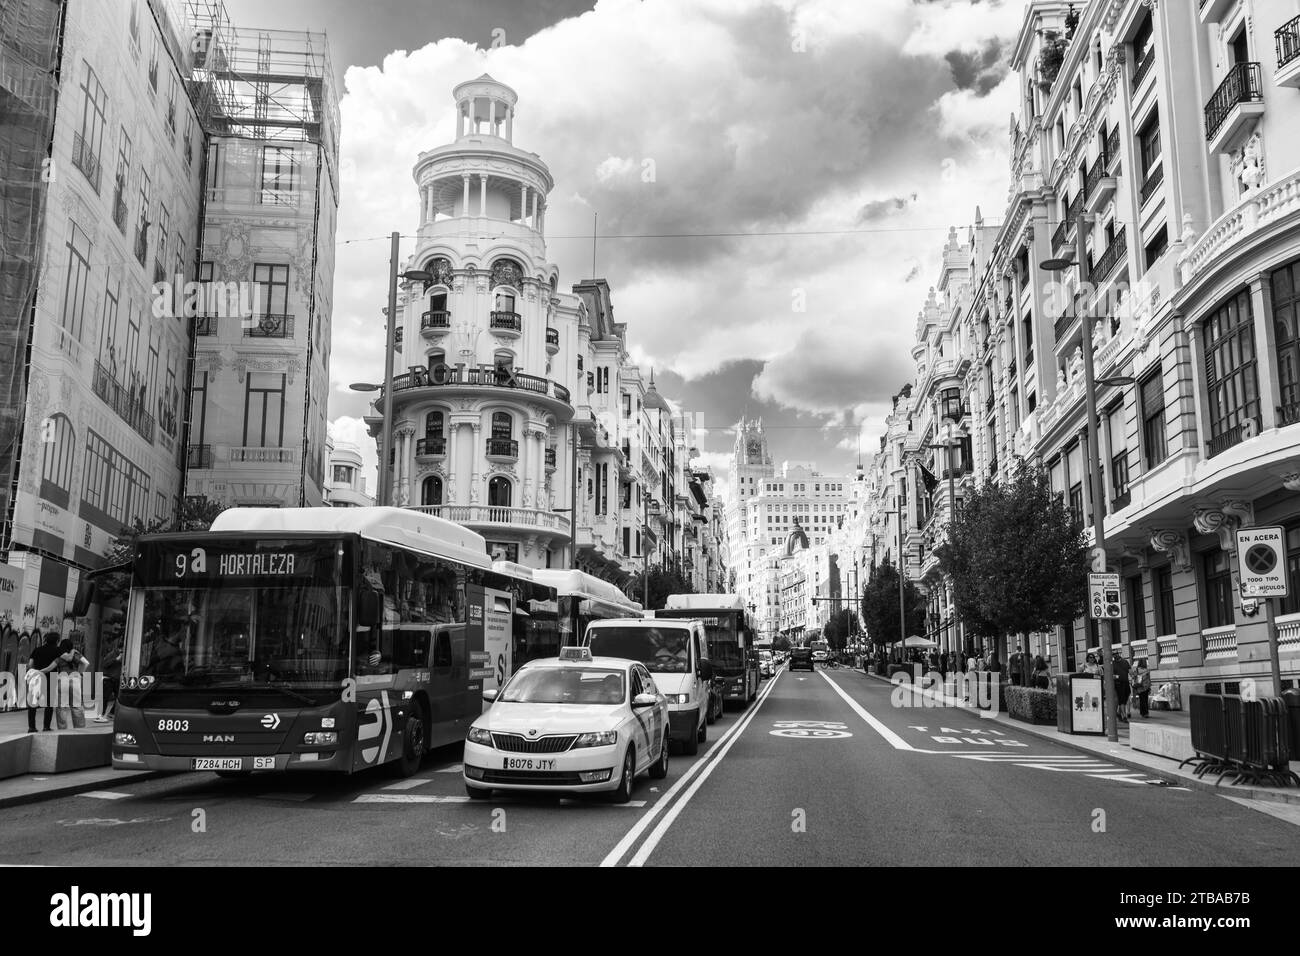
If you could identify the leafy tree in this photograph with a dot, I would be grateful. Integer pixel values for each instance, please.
(196, 514)
(663, 581)
(781, 643)
(880, 606)
(1017, 558)
(838, 628)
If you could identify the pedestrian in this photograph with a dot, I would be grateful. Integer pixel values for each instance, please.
(68, 666)
(166, 659)
(42, 661)
(1042, 677)
(943, 666)
(111, 668)
(1142, 686)
(1121, 669)
(1016, 667)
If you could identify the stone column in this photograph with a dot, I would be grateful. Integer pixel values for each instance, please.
(479, 451)
(1270, 393)
(510, 124)
(534, 220)
(464, 204)
(482, 194)
(523, 203)
(492, 116)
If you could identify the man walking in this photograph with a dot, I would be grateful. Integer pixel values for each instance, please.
(1016, 667)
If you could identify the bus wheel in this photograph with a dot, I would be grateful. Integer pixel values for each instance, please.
(412, 742)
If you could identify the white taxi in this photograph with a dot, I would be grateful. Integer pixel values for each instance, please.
(575, 723)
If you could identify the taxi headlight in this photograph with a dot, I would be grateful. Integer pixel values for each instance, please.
(605, 738)
(478, 735)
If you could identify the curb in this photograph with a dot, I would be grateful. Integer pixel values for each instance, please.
(1170, 774)
(71, 789)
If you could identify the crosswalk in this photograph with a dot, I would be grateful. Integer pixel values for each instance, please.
(1071, 763)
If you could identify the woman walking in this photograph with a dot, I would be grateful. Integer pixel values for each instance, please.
(41, 663)
(1142, 686)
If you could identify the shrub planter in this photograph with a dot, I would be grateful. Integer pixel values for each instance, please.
(1030, 704)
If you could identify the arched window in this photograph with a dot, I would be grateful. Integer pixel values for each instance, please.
(433, 425)
(504, 358)
(505, 302)
(499, 492)
(431, 490)
(502, 425)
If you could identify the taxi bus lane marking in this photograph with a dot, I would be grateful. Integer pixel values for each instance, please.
(810, 733)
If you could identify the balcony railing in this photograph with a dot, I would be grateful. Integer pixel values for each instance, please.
(84, 158)
(119, 210)
(502, 448)
(142, 243)
(1220, 642)
(198, 456)
(129, 407)
(435, 319)
(1112, 146)
(1076, 207)
(505, 322)
(269, 326)
(549, 457)
(1233, 436)
(263, 455)
(431, 446)
(421, 377)
(1287, 39)
(1060, 234)
(1144, 66)
(553, 338)
(1095, 175)
(1288, 413)
(1242, 85)
(205, 324)
(1063, 323)
(1110, 258)
(1154, 179)
(493, 514)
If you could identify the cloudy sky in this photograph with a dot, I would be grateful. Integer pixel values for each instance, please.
(808, 158)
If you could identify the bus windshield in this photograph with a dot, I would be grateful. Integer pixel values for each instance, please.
(241, 614)
(663, 650)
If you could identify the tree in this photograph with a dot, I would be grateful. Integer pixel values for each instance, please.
(781, 643)
(838, 628)
(1017, 558)
(663, 582)
(195, 514)
(880, 606)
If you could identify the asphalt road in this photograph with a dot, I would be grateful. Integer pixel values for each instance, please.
(822, 770)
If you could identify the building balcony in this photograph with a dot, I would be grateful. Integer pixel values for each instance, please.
(1064, 323)
(1220, 643)
(1288, 633)
(269, 326)
(549, 457)
(1234, 108)
(1288, 413)
(1286, 39)
(1152, 182)
(1061, 235)
(430, 447)
(1213, 10)
(503, 449)
(85, 159)
(479, 517)
(1111, 258)
(122, 400)
(505, 323)
(435, 322)
(119, 210)
(1101, 184)
(552, 341)
(1247, 221)
(1075, 208)
(1235, 435)
(1167, 651)
(198, 456)
(1112, 149)
(263, 455)
(1143, 68)
(142, 243)
(470, 380)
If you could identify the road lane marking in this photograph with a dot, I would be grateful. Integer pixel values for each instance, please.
(105, 794)
(407, 798)
(408, 784)
(1126, 778)
(730, 738)
(454, 768)
(895, 741)
(629, 839)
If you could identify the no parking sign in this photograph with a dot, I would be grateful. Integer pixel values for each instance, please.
(1261, 562)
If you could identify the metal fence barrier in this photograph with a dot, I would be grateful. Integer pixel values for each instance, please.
(1246, 740)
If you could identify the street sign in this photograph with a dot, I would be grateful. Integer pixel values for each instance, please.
(1103, 596)
(1261, 562)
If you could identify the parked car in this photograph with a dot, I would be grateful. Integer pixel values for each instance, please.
(766, 664)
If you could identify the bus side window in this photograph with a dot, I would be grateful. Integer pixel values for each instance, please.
(374, 654)
(442, 650)
(411, 647)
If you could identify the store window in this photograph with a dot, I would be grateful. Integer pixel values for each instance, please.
(1216, 568)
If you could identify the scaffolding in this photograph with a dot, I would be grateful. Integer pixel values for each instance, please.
(275, 85)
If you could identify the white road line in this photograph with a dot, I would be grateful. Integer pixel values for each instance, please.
(629, 839)
(657, 834)
(295, 797)
(1118, 776)
(105, 794)
(407, 798)
(1068, 769)
(455, 768)
(408, 784)
(895, 741)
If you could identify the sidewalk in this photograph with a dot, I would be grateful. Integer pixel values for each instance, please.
(1122, 753)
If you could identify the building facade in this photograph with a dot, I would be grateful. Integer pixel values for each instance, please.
(345, 485)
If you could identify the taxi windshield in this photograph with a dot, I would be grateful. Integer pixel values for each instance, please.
(663, 650)
(565, 685)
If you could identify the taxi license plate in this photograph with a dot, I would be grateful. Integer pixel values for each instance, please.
(528, 763)
(217, 763)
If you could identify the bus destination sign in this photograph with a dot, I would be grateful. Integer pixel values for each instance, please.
(235, 562)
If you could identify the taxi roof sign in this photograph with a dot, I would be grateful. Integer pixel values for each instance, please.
(575, 654)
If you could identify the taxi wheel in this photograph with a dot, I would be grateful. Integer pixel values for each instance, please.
(625, 784)
(660, 768)
(413, 743)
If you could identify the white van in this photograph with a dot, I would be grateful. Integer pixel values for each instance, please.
(675, 652)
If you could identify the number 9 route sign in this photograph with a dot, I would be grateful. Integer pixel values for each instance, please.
(1261, 562)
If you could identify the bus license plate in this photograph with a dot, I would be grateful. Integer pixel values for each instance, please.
(217, 763)
(528, 763)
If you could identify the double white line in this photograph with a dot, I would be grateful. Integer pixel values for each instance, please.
(695, 777)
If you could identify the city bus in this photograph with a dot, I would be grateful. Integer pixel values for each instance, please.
(583, 599)
(315, 639)
(731, 640)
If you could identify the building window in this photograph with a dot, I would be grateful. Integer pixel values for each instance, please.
(108, 327)
(264, 410)
(433, 425)
(199, 412)
(1157, 247)
(1162, 588)
(431, 491)
(273, 288)
(1119, 480)
(1217, 568)
(1076, 502)
(499, 492)
(1149, 145)
(1285, 284)
(1137, 610)
(88, 142)
(627, 405)
(502, 425)
(59, 443)
(74, 289)
(1229, 340)
(1151, 399)
(279, 175)
(342, 475)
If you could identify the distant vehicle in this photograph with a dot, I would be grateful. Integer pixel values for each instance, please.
(582, 599)
(766, 663)
(801, 658)
(820, 651)
(731, 640)
(576, 723)
(675, 652)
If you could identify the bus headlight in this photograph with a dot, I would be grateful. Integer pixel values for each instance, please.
(318, 739)
(605, 738)
(478, 735)
(124, 740)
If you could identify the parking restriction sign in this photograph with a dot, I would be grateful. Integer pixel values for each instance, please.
(1261, 562)
(1103, 596)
